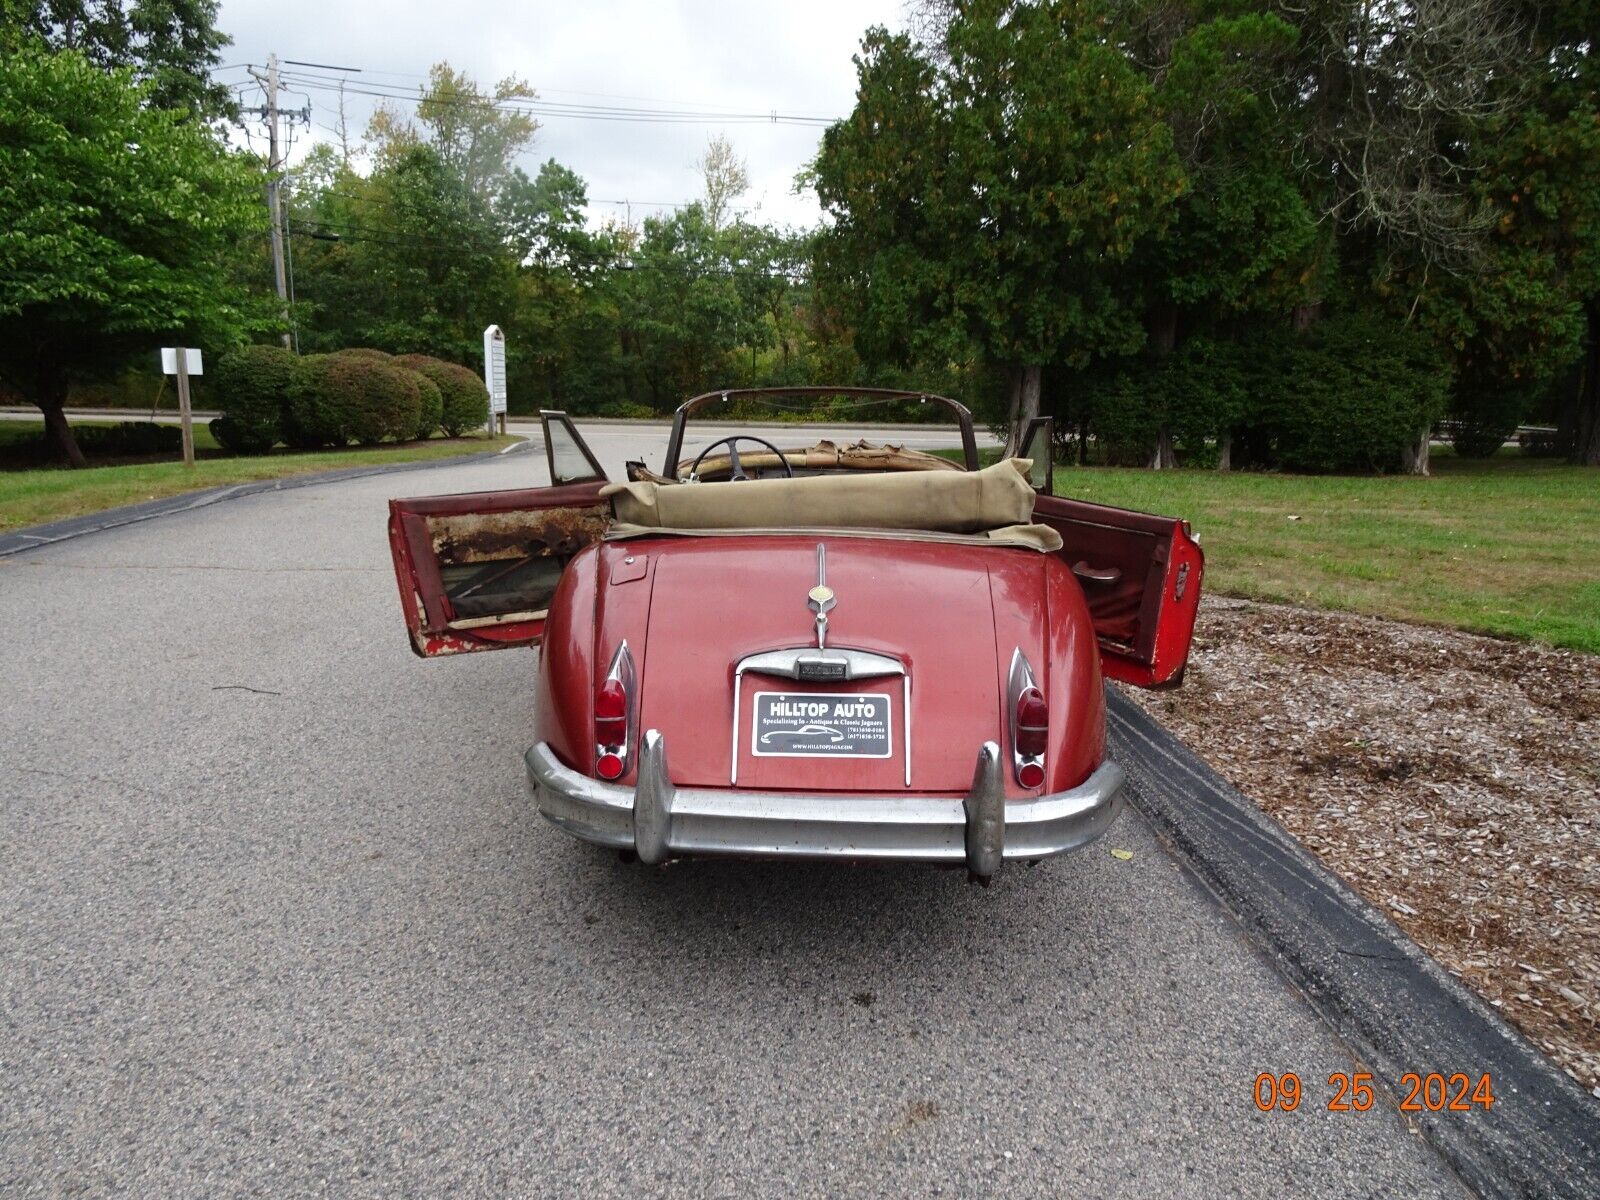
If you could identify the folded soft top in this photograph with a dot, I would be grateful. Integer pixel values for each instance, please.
(977, 502)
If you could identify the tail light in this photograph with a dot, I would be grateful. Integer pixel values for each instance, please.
(1033, 722)
(615, 717)
(611, 714)
(1030, 723)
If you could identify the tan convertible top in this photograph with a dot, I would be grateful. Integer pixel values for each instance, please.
(997, 499)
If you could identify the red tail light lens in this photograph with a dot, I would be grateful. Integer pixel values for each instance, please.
(1033, 722)
(611, 714)
(608, 766)
(1030, 774)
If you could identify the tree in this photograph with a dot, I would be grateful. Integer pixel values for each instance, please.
(476, 134)
(988, 201)
(117, 222)
(1244, 240)
(170, 45)
(725, 178)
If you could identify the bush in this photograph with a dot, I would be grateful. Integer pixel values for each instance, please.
(1487, 413)
(343, 397)
(313, 418)
(1196, 394)
(252, 388)
(1349, 395)
(128, 439)
(431, 411)
(466, 399)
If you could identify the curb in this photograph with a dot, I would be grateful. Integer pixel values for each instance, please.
(1395, 1007)
(33, 536)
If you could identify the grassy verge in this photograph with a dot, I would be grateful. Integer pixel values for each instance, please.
(33, 497)
(1507, 546)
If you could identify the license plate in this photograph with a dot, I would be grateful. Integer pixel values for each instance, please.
(821, 725)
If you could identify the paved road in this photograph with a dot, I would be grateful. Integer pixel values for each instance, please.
(276, 919)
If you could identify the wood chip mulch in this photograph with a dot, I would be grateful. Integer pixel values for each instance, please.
(1453, 780)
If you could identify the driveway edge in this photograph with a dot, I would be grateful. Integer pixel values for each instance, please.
(33, 536)
(1395, 1007)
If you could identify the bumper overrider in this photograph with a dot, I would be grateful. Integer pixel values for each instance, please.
(660, 821)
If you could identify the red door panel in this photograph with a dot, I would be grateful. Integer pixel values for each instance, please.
(476, 571)
(1141, 576)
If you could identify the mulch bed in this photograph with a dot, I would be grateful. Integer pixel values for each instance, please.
(1451, 779)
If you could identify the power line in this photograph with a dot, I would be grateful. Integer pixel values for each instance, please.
(551, 108)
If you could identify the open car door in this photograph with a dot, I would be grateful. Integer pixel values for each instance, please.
(1141, 575)
(477, 571)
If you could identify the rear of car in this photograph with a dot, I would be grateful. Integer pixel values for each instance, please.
(902, 666)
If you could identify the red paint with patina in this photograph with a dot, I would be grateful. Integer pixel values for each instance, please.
(690, 608)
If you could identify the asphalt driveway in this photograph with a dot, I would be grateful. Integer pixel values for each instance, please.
(276, 918)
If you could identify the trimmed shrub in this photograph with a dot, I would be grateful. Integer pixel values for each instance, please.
(252, 389)
(314, 417)
(354, 397)
(431, 411)
(466, 399)
(367, 352)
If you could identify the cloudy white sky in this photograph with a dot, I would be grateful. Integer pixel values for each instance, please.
(757, 56)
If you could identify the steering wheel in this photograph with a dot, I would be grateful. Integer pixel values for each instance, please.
(736, 471)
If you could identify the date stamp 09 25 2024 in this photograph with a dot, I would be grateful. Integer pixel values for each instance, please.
(1353, 1092)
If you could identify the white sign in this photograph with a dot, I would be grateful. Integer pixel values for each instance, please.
(494, 368)
(169, 360)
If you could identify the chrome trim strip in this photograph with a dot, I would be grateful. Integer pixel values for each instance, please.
(916, 828)
(905, 705)
(733, 752)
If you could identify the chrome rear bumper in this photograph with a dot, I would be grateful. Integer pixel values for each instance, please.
(982, 829)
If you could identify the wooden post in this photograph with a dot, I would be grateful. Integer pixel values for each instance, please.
(182, 357)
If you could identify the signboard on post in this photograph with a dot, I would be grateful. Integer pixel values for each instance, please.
(183, 362)
(494, 375)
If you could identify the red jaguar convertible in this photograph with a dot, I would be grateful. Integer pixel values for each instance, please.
(837, 651)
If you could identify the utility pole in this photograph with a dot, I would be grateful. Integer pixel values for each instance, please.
(274, 200)
(274, 168)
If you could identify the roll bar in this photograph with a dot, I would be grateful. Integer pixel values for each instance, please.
(680, 419)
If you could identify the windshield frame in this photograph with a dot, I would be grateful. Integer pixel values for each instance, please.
(680, 418)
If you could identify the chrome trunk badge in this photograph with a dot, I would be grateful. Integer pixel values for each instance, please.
(820, 598)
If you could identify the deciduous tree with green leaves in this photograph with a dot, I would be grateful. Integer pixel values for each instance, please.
(170, 45)
(117, 224)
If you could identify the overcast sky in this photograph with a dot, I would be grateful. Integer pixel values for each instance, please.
(758, 56)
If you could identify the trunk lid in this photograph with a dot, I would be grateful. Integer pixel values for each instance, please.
(715, 601)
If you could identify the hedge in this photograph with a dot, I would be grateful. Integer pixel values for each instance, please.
(252, 389)
(466, 399)
(345, 397)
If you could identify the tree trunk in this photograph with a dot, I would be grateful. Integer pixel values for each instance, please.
(1306, 315)
(1163, 458)
(1414, 458)
(1225, 452)
(51, 397)
(1025, 386)
(1163, 329)
(1586, 426)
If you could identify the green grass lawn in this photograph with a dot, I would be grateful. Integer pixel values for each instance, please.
(1507, 546)
(33, 497)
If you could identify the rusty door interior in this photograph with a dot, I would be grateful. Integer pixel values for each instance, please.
(477, 571)
(1141, 576)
